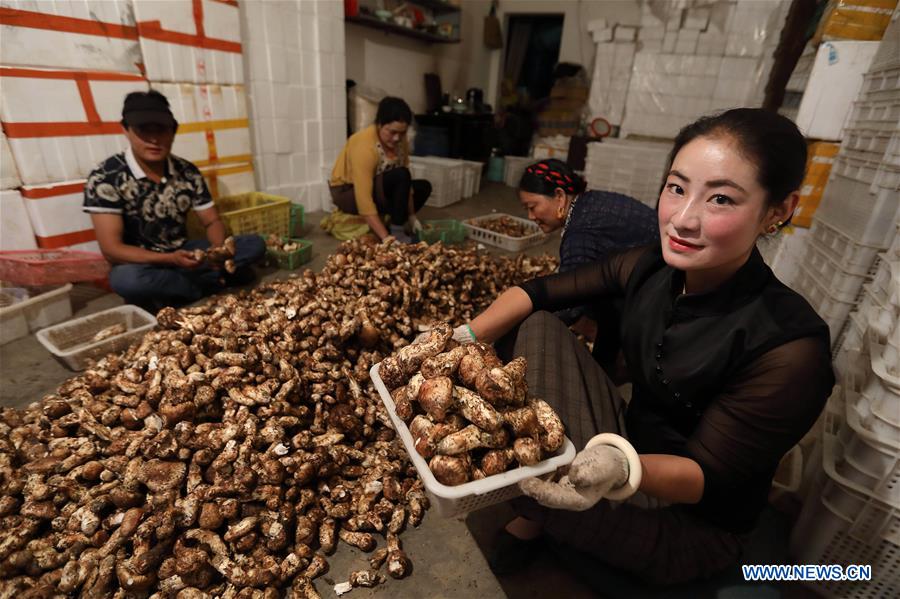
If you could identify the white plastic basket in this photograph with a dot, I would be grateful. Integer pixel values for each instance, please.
(875, 114)
(864, 467)
(864, 211)
(512, 244)
(831, 239)
(832, 310)
(840, 525)
(473, 495)
(71, 342)
(881, 85)
(841, 284)
(40, 311)
(472, 179)
(514, 167)
(445, 176)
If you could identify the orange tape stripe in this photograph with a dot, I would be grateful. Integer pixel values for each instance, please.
(59, 129)
(228, 2)
(87, 100)
(70, 75)
(38, 20)
(153, 30)
(236, 159)
(65, 239)
(230, 170)
(198, 126)
(36, 193)
(213, 183)
(198, 17)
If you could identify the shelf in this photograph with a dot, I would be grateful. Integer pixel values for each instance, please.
(436, 5)
(375, 23)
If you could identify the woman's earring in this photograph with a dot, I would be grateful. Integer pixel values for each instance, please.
(773, 228)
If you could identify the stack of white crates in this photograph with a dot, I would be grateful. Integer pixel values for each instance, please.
(447, 178)
(853, 514)
(696, 58)
(632, 168)
(857, 217)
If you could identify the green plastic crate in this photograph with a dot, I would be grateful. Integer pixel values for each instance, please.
(444, 230)
(297, 218)
(295, 259)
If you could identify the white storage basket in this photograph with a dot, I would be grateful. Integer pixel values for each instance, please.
(445, 176)
(451, 501)
(71, 342)
(843, 526)
(512, 244)
(472, 180)
(514, 167)
(832, 310)
(841, 284)
(862, 466)
(864, 211)
(34, 313)
(833, 240)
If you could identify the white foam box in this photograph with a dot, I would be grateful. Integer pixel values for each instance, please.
(179, 43)
(834, 82)
(229, 179)
(88, 34)
(696, 18)
(15, 226)
(596, 25)
(625, 34)
(56, 215)
(603, 35)
(219, 110)
(9, 175)
(61, 124)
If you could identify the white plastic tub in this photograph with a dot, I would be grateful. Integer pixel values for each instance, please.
(445, 175)
(72, 342)
(473, 495)
(511, 244)
(42, 310)
(863, 467)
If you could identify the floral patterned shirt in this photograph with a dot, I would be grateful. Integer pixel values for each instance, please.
(153, 214)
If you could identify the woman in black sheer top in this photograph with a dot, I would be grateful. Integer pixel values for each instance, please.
(730, 368)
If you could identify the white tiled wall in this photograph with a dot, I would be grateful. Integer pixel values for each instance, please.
(294, 57)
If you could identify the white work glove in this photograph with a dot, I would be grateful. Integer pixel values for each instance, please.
(608, 467)
(414, 224)
(464, 334)
(461, 334)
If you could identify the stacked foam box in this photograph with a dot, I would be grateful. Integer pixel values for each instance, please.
(61, 122)
(854, 514)
(192, 53)
(633, 168)
(15, 227)
(796, 85)
(609, 83)
(856, 219)
(695, 58)
(295, 65)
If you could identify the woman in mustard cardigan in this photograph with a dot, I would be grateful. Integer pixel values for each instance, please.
(371, 175)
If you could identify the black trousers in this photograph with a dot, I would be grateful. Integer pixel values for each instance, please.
(390, 192)
(661, 544)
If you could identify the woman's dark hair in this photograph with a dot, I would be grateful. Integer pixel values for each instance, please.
(772, 142)
(544, 176)
(392, 109)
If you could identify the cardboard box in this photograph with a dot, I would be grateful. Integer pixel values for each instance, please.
(834, 83)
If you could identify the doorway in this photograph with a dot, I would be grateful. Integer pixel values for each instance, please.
(532, 53)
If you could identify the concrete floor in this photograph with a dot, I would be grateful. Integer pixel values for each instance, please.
(448, 554)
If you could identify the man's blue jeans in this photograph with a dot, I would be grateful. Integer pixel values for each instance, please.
(155, 285)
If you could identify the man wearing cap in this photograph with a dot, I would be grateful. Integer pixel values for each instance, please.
(139, 201)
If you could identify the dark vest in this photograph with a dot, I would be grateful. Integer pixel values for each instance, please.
(682, 350)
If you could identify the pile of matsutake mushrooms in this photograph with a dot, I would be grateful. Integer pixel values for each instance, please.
(504, 225)
(230, 450)
(467, 412)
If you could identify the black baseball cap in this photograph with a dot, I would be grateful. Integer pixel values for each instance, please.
(143, 108)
